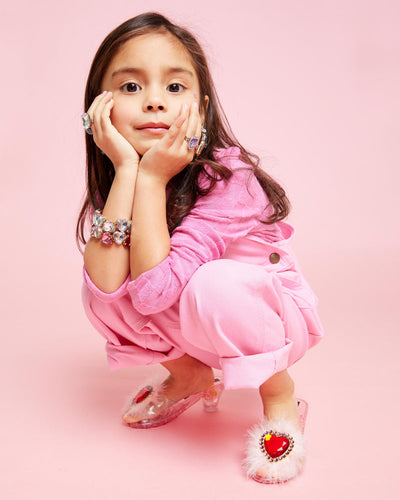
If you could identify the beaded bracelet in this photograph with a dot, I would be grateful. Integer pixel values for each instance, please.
(109, 232)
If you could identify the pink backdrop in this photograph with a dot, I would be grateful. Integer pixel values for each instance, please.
(313, 88)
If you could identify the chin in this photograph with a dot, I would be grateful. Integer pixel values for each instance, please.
(141, 149)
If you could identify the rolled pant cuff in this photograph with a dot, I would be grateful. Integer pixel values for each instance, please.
(252, 371)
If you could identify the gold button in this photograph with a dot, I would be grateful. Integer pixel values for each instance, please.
(274, 258)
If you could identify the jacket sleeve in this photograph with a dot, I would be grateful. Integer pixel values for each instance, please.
(232, 209)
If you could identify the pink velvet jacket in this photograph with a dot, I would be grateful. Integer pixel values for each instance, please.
(226, 223)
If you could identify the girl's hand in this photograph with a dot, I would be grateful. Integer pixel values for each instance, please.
(170, 155)
(106, 136)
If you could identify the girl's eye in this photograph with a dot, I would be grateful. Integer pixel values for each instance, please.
(175, 87)
(131, 88)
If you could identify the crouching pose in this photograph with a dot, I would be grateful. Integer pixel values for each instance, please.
(188, 263)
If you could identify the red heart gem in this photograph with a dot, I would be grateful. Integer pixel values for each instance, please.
(274, 445)
(143, 394)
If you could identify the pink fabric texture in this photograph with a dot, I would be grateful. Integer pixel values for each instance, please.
(219, 295)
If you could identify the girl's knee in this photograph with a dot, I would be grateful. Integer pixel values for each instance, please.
(234, 283)
(213, 280)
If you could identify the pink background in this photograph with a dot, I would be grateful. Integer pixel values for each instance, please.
(311, 86)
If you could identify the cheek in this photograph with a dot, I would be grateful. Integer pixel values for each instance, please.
(120, 115)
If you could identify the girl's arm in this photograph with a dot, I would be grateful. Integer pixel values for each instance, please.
(108, 266)
(150, 240)
(231, 211)
(139, 192)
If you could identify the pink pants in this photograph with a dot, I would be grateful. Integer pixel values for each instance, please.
(231, 315)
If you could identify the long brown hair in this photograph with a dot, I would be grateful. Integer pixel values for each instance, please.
(184, 186)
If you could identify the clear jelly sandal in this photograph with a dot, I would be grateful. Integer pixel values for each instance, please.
(150, 408)
(277, 447)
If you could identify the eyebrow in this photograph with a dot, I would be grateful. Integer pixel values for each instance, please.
(138, 71)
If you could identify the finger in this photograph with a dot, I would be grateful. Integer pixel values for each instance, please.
(97, 118)
(193, 129)
(186, 128)
(94, 104)
(194, 122)
(175, 131)
(105, 113)
(91, 113)
(182, 118)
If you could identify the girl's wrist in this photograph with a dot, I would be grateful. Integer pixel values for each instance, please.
(127, 169)
(151, 179)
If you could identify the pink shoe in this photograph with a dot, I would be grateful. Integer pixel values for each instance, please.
(149, 408)
(278, 448)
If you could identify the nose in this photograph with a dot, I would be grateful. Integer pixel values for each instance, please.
(154, 107)
(154, 101)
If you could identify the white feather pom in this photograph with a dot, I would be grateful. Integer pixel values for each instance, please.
(259, 467)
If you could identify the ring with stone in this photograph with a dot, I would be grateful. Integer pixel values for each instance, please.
(203, 142)
(86, 122)
(192, 141)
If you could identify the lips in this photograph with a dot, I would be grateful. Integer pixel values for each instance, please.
(153, 125)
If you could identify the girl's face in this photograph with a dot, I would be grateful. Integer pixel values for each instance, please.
(150, 77)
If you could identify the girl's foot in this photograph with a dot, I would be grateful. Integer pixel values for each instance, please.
(279, 400)
(281, 410)
(276, 449)
(188, 376)
(176, 388)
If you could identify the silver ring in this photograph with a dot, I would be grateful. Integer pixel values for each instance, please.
(86, 122)
(192, 141)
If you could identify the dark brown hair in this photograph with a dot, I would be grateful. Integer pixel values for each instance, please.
(184, 186)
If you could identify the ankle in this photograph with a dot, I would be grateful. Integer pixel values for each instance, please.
(188, 369)
(279, 387)
(278, 397)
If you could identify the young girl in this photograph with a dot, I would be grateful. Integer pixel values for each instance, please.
(188, 263)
